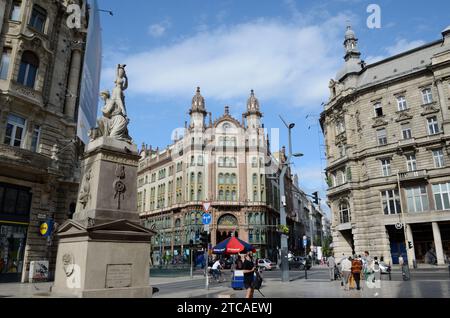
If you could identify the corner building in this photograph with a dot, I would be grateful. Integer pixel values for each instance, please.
(226, 162)
(40, 71)
(387, 132)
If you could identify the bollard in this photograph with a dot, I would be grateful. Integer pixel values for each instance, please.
(449, 269)
(306, 272)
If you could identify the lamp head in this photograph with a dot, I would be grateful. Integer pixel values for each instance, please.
(291, 126)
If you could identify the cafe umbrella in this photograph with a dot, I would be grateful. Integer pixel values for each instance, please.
(232, 246)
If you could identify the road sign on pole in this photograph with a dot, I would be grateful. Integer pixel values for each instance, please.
(206, 219)
(206, 206)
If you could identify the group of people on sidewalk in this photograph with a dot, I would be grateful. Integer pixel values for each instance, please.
(354, 269)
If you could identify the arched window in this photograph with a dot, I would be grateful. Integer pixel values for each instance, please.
(227, 196)
(255, 196)
(192, 195)
(250, 216)
(221, 179)
(233, 179)
(29, 66)
(192, 178)
(344, 212)
(255, 179)
(199, 195)
(221, 161)
(228, 220)
(177, 223)
(200, 178)
(221, 195)
(227, 178)
(233, 196)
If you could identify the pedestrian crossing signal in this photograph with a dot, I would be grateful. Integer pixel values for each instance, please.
(410, 245)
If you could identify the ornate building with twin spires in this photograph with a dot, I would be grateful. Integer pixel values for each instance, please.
(226, 162)
(387, 133)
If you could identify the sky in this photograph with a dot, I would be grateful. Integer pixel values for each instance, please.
(286, 50)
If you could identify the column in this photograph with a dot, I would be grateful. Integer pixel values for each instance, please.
(410, 252)
(438, 244)
(73, 83)
(2, 13)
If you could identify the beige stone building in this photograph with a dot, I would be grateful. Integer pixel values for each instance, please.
(40, 71)
(226, 162)
(387, 131)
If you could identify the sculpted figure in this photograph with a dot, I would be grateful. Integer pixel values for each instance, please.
(114, 122)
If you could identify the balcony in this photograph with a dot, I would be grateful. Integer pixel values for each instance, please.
(413, 175)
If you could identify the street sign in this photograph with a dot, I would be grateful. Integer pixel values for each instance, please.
(399, 226)
(305, 243)
(207, 228)
(206, 219)
(206, 206)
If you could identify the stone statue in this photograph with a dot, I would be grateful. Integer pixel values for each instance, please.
(114, 122)
(85, 193)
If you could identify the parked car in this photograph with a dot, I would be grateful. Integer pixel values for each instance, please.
(265, 264)
(300, 263)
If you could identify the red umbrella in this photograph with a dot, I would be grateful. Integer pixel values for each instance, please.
(232, 246)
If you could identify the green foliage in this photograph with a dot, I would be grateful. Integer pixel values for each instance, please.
(326, 249)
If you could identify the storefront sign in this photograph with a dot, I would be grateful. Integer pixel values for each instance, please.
(46, 228)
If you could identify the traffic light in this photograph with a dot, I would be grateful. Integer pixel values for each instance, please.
(410, 245)
(204, 239)
(316, 198)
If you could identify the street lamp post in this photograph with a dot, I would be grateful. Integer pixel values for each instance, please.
(284, 239)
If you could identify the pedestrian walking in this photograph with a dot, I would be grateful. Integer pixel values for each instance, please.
(356, 272)
(331, 263)
(346, 269)
(249, 273)
(239, 263)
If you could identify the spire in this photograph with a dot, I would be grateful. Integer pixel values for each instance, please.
(353, 63)
(351, 44)
(198, 103)
(252, 103)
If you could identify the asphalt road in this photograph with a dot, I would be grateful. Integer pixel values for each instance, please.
(314, 275)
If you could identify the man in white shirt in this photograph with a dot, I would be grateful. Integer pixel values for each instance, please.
(216, 270)
(346, 268)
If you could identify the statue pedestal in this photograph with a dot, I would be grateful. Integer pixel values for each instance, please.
(104, 252)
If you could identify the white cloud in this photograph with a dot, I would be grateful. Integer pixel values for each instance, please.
(158, 29)
(403, 45)
(280, 61)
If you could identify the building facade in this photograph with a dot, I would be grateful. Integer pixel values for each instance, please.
(226, 162)
(387, 132)
(40, 71)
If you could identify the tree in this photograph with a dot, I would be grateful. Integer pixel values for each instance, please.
(327, 250)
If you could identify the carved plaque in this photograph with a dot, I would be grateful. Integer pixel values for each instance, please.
(118, 276)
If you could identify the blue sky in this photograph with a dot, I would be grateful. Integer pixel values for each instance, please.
(287, 51)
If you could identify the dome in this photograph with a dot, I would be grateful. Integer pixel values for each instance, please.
(350, 34)
(198, 102)
(252, 103)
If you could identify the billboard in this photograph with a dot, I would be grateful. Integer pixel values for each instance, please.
(90, 80)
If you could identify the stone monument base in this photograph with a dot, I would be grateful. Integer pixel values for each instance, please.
(106, 261)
